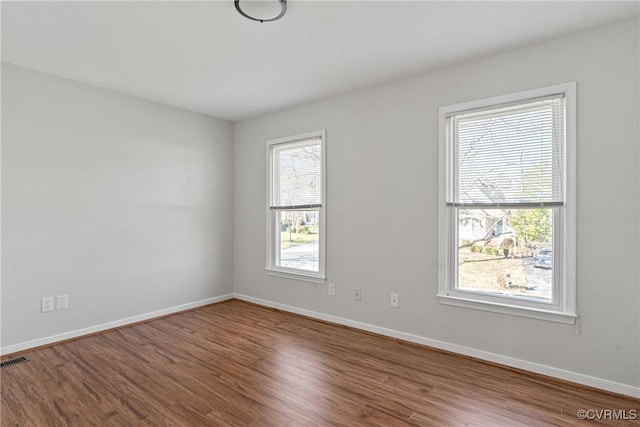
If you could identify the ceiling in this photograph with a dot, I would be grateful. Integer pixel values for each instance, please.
(205, 57)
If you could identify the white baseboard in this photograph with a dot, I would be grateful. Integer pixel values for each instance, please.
(455, 348)
(467, 351)
(110, 325)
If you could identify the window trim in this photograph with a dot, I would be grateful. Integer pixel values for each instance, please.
(563, 310)
(271, 256)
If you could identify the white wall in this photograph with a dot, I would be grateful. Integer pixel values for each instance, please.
(382, 210)
(123, 204)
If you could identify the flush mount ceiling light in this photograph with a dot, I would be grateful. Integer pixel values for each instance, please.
(283, 5)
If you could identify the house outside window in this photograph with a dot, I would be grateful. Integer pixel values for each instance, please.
(507, 204)
(296, 207)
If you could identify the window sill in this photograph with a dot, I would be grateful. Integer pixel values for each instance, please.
(533, 313)
(288, 274)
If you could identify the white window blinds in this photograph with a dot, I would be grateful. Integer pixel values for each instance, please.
(297, 179)
(510, 155)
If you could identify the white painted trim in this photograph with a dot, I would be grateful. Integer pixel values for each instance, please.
(110, 325)
(563, 309)
(271, 238)
(513, 310)
(295, 275)
(299, 137)
(509, 98)
(526, 365)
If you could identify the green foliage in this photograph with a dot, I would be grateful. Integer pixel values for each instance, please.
(288, 240)
(495, 251)
(488, 250)
(533, 225)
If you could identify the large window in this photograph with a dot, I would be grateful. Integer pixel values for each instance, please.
(296, 206)
(507, 204)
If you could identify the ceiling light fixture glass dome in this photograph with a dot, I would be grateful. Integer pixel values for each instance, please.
(283, 6)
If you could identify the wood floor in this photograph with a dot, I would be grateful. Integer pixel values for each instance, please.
(236, 363)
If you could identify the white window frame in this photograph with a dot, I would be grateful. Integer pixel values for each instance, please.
(273, 221)
(563, 307)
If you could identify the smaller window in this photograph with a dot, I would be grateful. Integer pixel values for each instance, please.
(296, 207)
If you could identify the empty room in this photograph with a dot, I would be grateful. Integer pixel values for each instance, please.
(320, 213)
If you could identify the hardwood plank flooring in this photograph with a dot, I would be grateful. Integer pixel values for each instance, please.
(239, 364)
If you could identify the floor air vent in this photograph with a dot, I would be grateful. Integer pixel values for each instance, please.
(12, 362)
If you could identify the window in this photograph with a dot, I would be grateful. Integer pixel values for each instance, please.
(296, 207)
(507, 204)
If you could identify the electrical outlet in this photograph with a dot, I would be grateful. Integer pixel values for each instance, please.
(394, 301)
(62, 302)
(357, 294)
(46, 304)
(331, 289)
